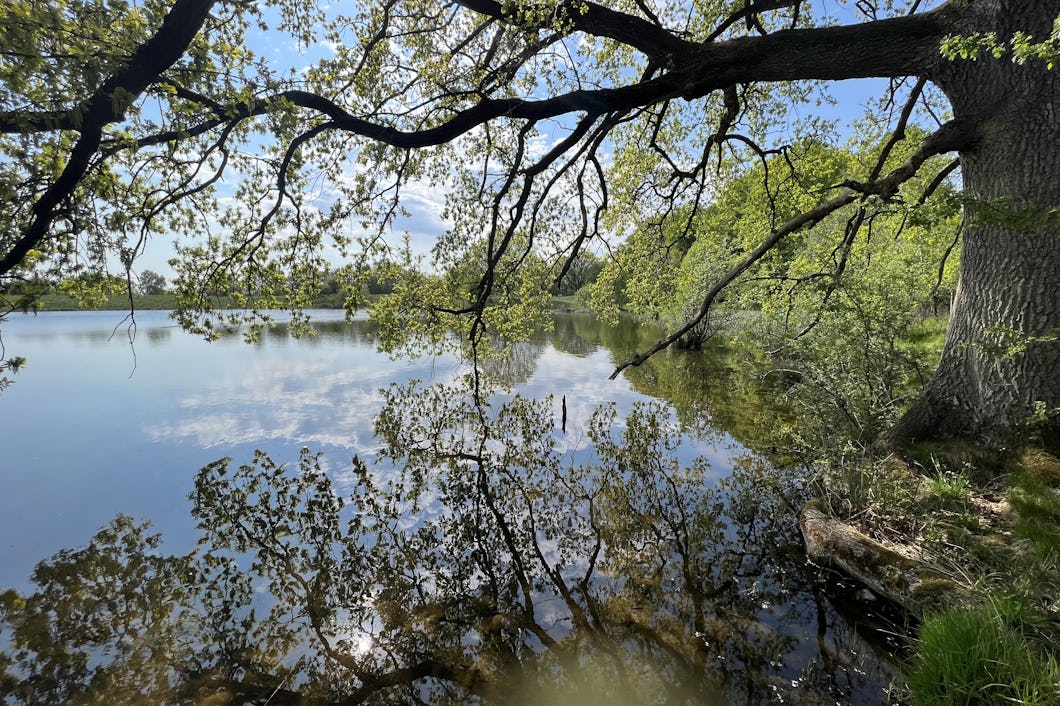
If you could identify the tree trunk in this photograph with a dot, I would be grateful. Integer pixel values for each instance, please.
(1001, 358)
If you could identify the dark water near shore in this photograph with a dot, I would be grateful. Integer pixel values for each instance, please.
(677, 564)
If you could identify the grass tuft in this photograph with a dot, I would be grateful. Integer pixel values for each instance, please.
(982, 656)
(949, 489)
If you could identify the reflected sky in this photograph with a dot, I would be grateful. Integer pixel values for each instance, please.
(108, 419)
(96, 427)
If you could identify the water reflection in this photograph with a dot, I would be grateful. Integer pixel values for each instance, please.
(493, 566)
(318, 401)
(158, 335)
(475, 553)
(576, 334)
(325, 389)
(516, 363)
(710, 395)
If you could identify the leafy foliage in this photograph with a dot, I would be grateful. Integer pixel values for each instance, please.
(322, 153)
(1022, 46)
(838, 308)
(540, 131)
(152, 283)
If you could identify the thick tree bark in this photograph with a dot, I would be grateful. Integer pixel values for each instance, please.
(1001, 356)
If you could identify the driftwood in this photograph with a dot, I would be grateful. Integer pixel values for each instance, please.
(913, 585)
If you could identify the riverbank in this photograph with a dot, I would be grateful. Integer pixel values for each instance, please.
(59, 301)
(983, 529)
(968, 543)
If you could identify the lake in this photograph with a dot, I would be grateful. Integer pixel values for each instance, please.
(534, 546)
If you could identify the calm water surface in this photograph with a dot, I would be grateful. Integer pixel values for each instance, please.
(98, 425)
(102, 423)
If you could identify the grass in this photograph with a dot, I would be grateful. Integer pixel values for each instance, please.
(1005, 651)
(568, 304)
(995, 522)
(982, 656)
(926, 336)
(956, 456)
(1034, 495)
(949, 490)
(1038, 509)
(58, 301)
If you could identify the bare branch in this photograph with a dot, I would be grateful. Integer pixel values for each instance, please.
(752, 8)
(597, 20)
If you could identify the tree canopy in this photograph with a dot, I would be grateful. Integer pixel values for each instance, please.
(550, 129)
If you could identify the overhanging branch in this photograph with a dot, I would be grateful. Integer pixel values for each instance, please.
(954, 135)
(107, 105)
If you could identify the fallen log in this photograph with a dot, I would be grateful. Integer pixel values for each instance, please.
(913, 585)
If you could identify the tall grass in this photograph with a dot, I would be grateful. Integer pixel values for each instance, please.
(983, 656)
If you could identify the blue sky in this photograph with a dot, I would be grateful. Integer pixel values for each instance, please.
(424, 202)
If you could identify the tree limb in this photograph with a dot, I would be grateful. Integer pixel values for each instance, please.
(107, 105)
(954, 135)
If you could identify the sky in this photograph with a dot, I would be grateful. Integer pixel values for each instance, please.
(424, 202)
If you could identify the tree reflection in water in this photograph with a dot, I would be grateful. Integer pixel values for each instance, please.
(493, 567)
